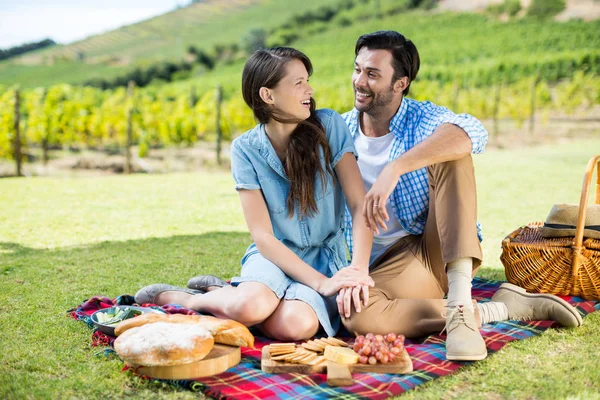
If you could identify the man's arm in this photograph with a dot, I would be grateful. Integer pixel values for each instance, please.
(448, 142)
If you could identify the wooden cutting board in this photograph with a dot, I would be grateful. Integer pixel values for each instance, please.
(220, 359)
(401, 365)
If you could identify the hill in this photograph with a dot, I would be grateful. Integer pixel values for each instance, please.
(165, 37)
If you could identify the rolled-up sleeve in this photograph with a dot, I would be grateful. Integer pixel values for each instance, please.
(473, 127)
(434, 116)
(244, 174)
(339, 137)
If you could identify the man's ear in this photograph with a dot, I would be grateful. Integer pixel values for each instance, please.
(401, 84)
(266, 95)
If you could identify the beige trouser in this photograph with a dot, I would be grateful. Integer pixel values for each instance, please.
(410, 278)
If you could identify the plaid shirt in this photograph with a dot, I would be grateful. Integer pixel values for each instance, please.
(414, 122)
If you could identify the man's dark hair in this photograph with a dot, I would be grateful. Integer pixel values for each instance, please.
(405, 57)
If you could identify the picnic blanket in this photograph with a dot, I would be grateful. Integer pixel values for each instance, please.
(247, 381)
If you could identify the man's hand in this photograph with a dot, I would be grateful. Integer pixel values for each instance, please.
(349, 295)
(374, 209)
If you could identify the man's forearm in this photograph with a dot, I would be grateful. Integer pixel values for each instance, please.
(448, 143)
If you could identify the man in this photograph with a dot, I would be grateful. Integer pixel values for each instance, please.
(415, 160)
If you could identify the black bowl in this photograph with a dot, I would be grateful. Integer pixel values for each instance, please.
(110, 329)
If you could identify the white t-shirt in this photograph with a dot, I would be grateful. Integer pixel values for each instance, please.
(373, 155)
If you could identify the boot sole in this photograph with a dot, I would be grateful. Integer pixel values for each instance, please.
(475, 357)
(572, 310)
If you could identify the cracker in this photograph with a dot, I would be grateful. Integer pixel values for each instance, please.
(320, 344)
(317, 360)
(308, 358)
(312, 347)
(278, 345)
(339, 342)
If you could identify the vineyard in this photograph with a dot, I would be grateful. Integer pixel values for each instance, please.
(476, 64)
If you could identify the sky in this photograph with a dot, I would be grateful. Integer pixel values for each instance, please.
(66, 21)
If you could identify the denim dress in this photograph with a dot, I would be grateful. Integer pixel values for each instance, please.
(318, 240)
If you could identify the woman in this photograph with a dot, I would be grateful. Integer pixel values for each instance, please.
(293, 171)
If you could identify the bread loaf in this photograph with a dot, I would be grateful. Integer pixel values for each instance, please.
(163, 344)
(225, 331)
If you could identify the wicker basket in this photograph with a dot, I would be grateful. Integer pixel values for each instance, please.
(564, 266)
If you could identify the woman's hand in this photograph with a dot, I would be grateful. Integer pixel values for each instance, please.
(349, 295)
(346, 277)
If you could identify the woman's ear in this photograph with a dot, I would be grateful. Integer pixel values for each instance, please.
(266, 95)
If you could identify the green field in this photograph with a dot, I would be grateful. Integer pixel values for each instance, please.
(63, 240)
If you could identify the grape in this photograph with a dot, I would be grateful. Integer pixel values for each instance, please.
(378, 348)
(366, 350)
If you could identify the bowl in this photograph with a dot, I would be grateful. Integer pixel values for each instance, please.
(109, 329)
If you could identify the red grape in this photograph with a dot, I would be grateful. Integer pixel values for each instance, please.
(366, 350)
(378, 348)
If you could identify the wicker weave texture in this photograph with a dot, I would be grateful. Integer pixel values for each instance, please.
(544, 265)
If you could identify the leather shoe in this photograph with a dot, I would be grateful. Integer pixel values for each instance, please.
(148, 294)
(525, 306)
(203, 282)
(464, 341)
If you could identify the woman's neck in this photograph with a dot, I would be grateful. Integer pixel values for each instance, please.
(279, 135)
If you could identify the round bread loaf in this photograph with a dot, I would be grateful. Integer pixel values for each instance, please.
(164, 343)
(225, 331)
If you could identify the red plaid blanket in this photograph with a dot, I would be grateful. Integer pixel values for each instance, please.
(247, 381)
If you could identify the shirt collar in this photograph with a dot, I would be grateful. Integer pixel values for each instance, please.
(260, 141)
(396, 124)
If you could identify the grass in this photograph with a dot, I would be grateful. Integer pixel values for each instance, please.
(63, 240)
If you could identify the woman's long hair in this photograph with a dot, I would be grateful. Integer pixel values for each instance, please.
(265, 68)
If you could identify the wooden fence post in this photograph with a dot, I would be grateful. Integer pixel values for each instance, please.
(532, 105)
(193, 97)
(130, 88)
(455, 91)
(219, 100)
(497, 110)
(17, 139)
(46, 136)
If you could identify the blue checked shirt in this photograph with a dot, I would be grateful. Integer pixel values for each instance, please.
(414, 122)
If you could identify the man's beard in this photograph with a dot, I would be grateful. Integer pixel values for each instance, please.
(379, 101)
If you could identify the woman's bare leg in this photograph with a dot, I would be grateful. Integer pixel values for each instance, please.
(249, 303)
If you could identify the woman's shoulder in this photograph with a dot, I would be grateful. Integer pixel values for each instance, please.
(326, 115)
(246, 139)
